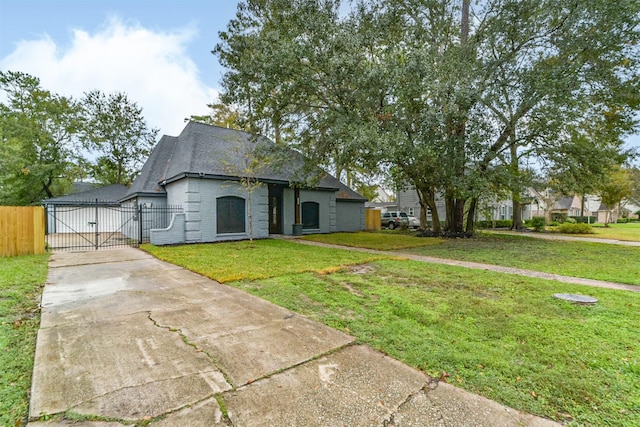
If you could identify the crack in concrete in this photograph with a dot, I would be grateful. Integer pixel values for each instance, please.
(186, 340)
(296, 365)
(432, 384)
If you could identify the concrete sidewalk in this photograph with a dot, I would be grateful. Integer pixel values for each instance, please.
(127, 339)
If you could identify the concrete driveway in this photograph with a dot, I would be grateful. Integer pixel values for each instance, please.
(128, 339)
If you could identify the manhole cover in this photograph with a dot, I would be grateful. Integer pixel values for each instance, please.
(578, 299)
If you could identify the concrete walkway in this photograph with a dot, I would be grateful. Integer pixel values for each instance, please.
(127, 339)
(564, 237)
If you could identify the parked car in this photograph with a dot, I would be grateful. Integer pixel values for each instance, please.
(394, 219)
(414, 222)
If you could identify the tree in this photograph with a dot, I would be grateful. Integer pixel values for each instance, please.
(452, 96)
(615, 189)
(38, 131)
(225, 116)
(115, 128)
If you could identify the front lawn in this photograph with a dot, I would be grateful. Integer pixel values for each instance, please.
(259, 259)
(382, 240)
(629, 231)
(579, 259)
(502, 336)
(21, 282)
(598, 261)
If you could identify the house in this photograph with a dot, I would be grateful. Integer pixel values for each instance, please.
(79, 212)
(202, 170)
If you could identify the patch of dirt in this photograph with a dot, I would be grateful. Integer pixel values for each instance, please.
(351, 289)
(362, 269)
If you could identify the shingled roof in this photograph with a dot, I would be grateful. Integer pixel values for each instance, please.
(109, 194)
(214, 152)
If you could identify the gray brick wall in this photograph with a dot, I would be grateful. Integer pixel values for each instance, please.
(174, 234)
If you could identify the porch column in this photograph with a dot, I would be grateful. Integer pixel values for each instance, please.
(297, 224)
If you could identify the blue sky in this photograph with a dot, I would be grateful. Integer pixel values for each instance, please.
(157, 51)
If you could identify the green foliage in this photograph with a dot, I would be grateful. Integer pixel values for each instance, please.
(570, 220)
(538, 223)
(21, 281)
(573, 228)
(559, 217)
(499, 223)
(451, 108)
(224, 116)
(115, 128)
(38, 130)
(584, 219)
(617, 186)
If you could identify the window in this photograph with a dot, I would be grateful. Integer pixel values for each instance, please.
(230, 214)
(411, 211)
(310, 215)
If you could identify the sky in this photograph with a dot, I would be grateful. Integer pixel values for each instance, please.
(156, 51)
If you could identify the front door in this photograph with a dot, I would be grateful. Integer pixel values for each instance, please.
(275, 209)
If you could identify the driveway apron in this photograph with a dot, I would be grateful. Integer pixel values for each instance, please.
(128, 339)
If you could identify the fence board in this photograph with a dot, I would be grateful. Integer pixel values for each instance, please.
(22, 230)
(372, 220)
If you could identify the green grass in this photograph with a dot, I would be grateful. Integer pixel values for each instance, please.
(504, 337)
(259, 259)
(579, 259)
(629, 231)
(21, 282)
(384, 241)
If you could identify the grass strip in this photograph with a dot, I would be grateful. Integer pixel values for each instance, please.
(259, 259)
(383, 240)
(21, 282)
(598, 261)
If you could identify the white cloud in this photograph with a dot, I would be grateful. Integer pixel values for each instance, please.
(152, 68)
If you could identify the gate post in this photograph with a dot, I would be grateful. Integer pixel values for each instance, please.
(97, 226)
(139, 208)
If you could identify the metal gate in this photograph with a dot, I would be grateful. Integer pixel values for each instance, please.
(93, 225)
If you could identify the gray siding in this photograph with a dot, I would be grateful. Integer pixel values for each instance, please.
(350, 216)
(200, 210)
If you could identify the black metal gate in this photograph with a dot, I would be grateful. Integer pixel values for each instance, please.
(93, 225)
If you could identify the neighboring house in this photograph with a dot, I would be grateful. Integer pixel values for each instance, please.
(80, 212)
(409, 202)
(200, 170)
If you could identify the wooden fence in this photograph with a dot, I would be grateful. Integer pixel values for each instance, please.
(372, 220)
(22, 230)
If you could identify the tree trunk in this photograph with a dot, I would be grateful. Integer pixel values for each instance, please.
(427, 201)
(471, 215)
(517, 213)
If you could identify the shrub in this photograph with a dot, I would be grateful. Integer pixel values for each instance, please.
(622, 220)
(499, 223)
(571, 221)
(569, 228)
(537, 223)
(553, 224)
(585, 219)
(559, 217)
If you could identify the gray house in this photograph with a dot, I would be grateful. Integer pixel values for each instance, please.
(201, 171)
